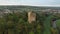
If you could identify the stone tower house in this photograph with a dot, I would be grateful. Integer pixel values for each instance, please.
(31, 17)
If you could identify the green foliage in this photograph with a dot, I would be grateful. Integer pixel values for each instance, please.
(18, 24)
(31, 32)
(58, 23)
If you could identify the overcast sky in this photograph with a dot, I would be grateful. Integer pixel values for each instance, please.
(31, 2)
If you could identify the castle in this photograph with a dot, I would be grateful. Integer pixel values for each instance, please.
(31, 17)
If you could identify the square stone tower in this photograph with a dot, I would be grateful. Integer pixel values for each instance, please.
(31, 17)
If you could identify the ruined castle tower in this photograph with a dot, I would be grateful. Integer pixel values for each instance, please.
(31, 17)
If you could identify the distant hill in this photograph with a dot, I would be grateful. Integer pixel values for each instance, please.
(28, 7)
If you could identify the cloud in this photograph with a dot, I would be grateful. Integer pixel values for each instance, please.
(8, 2)
(30, 2)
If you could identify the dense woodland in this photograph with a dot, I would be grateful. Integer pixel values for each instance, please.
(17, 23)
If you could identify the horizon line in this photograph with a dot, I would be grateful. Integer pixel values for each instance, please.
(32, 5)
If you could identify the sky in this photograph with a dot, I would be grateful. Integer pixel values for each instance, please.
(31, 2)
